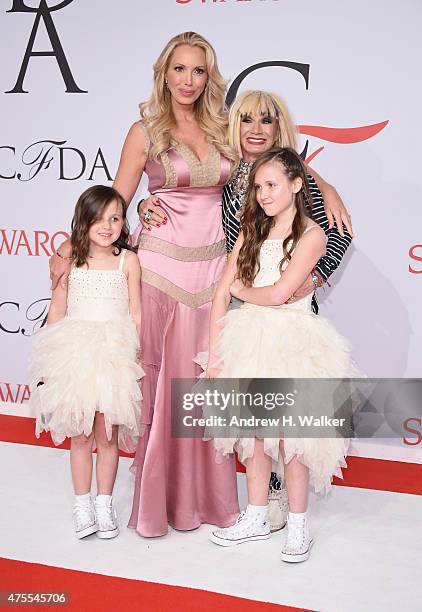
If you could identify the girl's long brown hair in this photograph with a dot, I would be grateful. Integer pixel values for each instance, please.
(89, 208)
(256, 225)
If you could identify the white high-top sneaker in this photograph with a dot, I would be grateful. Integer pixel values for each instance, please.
(84, 518)
(278, 508)
(106, 518)
(246, 529)
(298, 542)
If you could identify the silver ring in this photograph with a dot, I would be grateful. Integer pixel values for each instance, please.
(148, 215)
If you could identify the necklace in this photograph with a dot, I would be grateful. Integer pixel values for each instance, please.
(240, 183)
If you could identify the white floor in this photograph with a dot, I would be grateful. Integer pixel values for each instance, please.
(367, 554)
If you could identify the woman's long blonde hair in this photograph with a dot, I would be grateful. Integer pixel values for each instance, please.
(210, 110)
(266, 104)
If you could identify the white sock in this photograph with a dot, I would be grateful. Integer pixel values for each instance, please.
(83, 500)
(296, 517)
(103, 500)
(259, 511)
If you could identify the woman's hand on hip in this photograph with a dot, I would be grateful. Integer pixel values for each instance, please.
(151, 213)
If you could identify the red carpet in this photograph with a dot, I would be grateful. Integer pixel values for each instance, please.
(363, 472)
(99, 593)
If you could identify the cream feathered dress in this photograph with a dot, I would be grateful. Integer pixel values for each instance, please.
(287, 341)
(87, 361)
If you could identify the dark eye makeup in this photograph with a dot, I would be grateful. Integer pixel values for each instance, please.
(267, 119)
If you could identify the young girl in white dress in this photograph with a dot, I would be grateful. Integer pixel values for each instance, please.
(268, 338)
(84, 370)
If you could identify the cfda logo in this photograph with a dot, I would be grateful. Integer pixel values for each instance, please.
(70, 162)
(44, 13)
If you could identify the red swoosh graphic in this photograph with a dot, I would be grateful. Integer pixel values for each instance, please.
(314, 154)
(342, 135)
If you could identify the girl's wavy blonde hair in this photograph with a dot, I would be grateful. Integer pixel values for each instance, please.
(267, 104)
(210, 110)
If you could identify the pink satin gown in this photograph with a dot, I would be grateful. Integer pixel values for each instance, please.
(178, 480)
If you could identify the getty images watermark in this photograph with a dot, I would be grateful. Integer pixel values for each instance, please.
(248, 403)
(311, 408)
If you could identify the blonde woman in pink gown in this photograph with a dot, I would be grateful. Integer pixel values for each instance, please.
(182, 151)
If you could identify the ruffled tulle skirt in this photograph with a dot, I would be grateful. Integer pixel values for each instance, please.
(265, 342)
(86, 367)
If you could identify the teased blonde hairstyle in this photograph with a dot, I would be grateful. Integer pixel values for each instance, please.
(261, 103)
(210, 110)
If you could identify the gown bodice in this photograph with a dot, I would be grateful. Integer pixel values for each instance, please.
(185, 256)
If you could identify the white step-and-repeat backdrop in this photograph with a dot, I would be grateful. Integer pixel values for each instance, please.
(72, 73)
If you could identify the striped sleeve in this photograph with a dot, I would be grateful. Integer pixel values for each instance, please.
(337, 245)
(231, 224)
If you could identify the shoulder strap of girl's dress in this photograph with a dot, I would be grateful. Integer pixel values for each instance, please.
(310, 227)
(122, 259)
(307, 229)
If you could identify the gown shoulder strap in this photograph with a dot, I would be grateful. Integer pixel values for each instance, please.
(144, 129)
(122, 259)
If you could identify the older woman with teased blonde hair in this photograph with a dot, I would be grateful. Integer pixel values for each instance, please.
(258, 121)
(180, 143)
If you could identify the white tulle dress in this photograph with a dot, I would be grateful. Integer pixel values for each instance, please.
(287, 341)
(88, 361)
